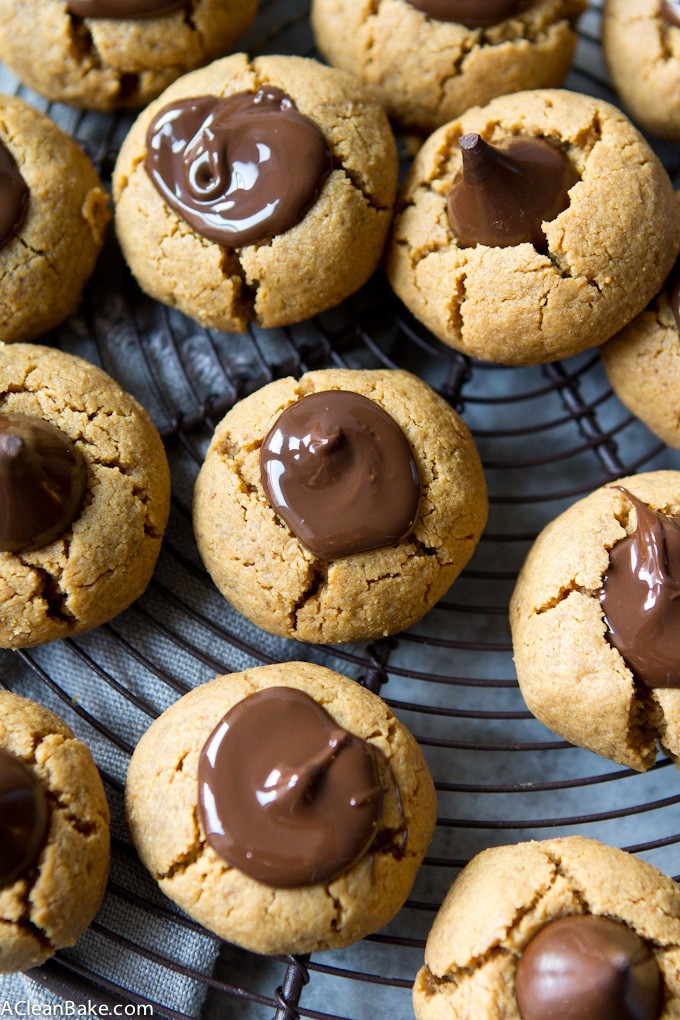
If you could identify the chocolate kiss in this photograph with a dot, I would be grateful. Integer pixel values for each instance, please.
(471, 13)
(24, 817)
(122, 9)
(42, 482)
(670, 11)
(501, 197)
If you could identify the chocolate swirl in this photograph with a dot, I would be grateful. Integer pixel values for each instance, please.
(471, 13)
(13, 196)
(588, 968)
(670, 11)
(24, 818)
(640, 597)
(501, 197)
(297, 808)
(341, 473)
(42, 482)
(240, 169)
(123, 9)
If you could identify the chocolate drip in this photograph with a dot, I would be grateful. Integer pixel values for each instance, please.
(670, 11)
(588, 968)
(240, 169)
(501, 197)
(285, 794)
(13, 196)
(42, 482)
(123, 9)
(340, 472)
(640, 597)
(472, 13)
(24, 818)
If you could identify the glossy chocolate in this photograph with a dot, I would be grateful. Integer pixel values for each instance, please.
(501, 196)
(588, 968)
(670, 11)
(341, 473)
(123, 9)
(285, 794)
(240, 169)
(13, 196)
(42, 482)
(24, 818)
(640, 597)
(471, 13)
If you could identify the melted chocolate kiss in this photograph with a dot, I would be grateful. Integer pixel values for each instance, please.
(670, 11)
(471, 13)
(240, 169)
(285, 794)
(501, 197)
(341, 473)
(24, 818)
(13, 196)
(588, 968)
(42, 482)
(640, 597)
(119, 9)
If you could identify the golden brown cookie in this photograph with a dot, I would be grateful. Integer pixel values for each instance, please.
(44, 266)
(105, 63)
(426, 72)
(642, 50)
(603, 262)
(272, 578)
(50, 902)
(162, 806)
(572, 678)
(104, 560)
(313, 265)
(507, 894)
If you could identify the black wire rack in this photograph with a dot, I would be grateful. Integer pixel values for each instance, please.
(547, 436)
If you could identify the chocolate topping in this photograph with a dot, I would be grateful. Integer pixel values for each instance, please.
(471, 13)
(501, 197)
(341, 473)
(240, 169)
(13, 196)
(24, 818)
(640, 597)
(285, 794)
(588, 968)
(670, 11)
(123, 8)
(42, 482)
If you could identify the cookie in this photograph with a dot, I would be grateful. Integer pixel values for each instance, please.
(307, 227)
(103, 55)
(430, 61)
(54, 835)
(492, 292)
(375, 561)
(85, 491)
(319, 831)
(641, 42)
(54, 214)
(561, 928)
(593, 619)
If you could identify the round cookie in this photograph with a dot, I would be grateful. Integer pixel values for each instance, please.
(642, 50)
(49, 248)
(104, 559)
(267, 573)
(601, 264)
(287, 277)
(507, 895)
(162, 805)
(50, 788)
(566, 644)
(426, 71)
(110, 63)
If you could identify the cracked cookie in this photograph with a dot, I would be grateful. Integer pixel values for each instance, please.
(85, 489)
(313, 840)
(53, 214)
(357, 575)
(605, 925)
(70, 51)
(426, 68)
(593, 619)
(54, 835)
(304, 228)
(598, 265)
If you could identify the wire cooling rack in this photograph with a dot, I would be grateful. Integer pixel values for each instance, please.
(547, 435)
